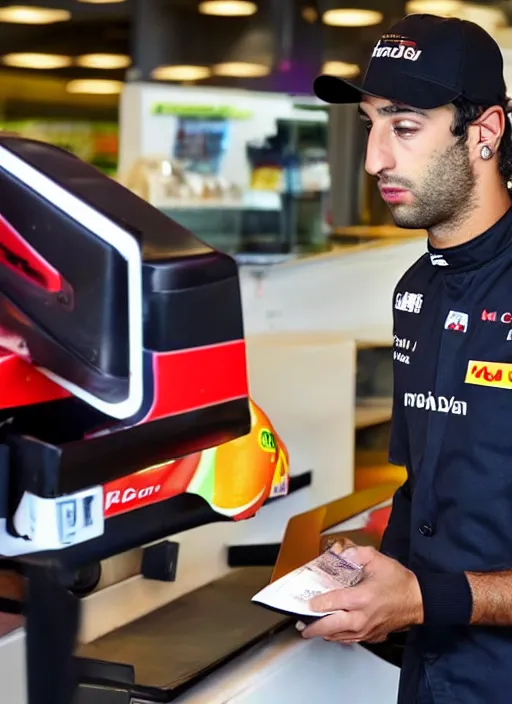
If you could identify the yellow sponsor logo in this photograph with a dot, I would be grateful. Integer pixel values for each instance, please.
(498, 374)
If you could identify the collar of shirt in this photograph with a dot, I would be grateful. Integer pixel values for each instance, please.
(477, 251)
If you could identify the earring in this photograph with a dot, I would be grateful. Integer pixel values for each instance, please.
(486, 152)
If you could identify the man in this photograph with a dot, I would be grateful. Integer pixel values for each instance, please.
(439, 143)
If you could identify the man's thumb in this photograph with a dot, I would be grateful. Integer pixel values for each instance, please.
(361, 555)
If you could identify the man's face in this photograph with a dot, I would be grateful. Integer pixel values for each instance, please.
(424, 172)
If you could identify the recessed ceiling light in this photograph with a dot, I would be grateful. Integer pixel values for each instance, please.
(95, 87)
(492, 19)
(101, 2)
(38, 61)
(436, 7)
(309, 14)
(241, 69)
(351, 17)
(342, 69)
(23, 14)
(103, 61)
(227, 8)
(180, 73)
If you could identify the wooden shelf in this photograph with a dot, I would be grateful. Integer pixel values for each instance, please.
(372, 411)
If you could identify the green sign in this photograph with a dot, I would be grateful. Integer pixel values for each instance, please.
(227, 112)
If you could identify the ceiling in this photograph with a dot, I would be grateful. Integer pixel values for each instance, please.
(153, 32)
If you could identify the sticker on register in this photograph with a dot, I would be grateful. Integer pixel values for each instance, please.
(53, 524)
(281, 481)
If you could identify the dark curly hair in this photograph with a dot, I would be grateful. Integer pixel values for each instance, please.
(467, 112)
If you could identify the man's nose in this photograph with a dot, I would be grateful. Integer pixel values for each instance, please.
(379, 154)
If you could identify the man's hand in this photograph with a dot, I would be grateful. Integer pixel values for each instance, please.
(387, 599)
(339, 540)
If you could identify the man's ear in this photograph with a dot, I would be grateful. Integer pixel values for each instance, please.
(487, 130)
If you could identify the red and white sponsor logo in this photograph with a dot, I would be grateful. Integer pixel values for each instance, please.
(149, 486)
(490, 317)
(456, 320)
(129, 498)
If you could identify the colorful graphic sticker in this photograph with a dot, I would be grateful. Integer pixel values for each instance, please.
(235, 478)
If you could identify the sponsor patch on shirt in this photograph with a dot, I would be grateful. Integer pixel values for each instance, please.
(403, 349)
(438, 404)
(498, 374)
(494, 317)
(490, 317)
(438, 260)
(455, 320)
(409, 302)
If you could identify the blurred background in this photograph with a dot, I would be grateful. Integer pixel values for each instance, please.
(205, 107)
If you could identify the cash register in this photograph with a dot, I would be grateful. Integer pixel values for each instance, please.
(121, 353)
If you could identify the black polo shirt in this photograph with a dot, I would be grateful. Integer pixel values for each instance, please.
(452, 429)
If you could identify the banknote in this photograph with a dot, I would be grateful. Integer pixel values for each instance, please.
(330, 570)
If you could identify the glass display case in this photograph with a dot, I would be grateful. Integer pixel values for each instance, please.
(281, 211)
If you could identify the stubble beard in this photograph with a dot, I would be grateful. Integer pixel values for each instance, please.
(445, 197)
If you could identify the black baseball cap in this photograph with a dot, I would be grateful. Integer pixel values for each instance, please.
(426, 61)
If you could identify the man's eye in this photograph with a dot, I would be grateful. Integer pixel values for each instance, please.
(405, 130)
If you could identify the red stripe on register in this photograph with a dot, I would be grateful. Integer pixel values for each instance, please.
(184, 380)
(23, 385)
(191, 379)
(15, 250)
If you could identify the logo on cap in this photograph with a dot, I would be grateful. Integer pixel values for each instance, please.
(394, 46)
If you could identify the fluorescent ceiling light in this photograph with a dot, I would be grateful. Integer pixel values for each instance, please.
(23, 14)
(241, 69)
(350, 17)
(341, 69)
(95, 86)
(38, 61)
(103, 61)
(227, 8)
(180, 73)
